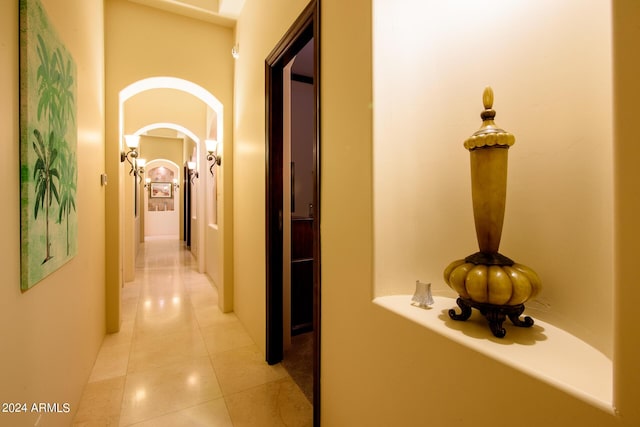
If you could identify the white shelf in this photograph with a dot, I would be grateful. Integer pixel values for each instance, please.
(542, 351)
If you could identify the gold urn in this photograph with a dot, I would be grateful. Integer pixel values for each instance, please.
(487, 280)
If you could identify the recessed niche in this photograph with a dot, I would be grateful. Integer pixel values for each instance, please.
(540, 351)
(550, 69)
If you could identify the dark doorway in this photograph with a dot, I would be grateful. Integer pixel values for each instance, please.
(303, 316)
(186, 206)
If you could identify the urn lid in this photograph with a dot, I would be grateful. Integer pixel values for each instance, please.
(489, 135)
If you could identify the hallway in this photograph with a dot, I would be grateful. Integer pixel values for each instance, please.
(179, 361)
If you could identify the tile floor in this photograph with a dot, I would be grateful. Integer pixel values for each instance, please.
(179, 361)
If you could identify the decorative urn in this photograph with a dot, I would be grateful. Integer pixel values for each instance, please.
(490, 282)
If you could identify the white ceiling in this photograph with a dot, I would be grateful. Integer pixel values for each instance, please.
(221, 12)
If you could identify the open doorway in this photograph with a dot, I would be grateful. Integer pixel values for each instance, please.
(160, 201)
(293, 217)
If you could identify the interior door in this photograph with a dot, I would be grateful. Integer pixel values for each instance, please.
(305, 29)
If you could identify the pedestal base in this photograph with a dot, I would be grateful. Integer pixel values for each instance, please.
(495, 314)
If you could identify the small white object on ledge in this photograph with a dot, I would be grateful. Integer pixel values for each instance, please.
(422, 297)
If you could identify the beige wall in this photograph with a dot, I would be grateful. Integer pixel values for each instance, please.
(372, 360)
(626, 92)
(159, 147)
(559, 211)
(377, 368)
(52, 333)
(260, 27)
(142, 42)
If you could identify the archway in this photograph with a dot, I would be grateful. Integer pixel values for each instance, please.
(169, 115)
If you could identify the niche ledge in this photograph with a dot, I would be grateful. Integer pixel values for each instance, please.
(543, 351)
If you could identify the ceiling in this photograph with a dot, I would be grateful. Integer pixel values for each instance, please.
(221, 12)
(192, 113)
(224, 12)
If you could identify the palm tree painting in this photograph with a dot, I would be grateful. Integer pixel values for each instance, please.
(48, 139)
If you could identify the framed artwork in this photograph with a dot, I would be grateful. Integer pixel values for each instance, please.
(48, 140)
(161, 190)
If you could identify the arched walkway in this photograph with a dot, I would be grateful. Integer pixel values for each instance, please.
(207, 242)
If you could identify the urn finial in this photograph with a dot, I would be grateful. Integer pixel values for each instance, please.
(487, 100)
(489, 135)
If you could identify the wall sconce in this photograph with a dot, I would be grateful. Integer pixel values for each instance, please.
(212, 154)
(147, 182)
(175, 184)
(193, 173)
(140, 164)
(235, 51)
(132, 142)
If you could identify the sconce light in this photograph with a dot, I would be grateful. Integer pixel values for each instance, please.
(140, 164)
(193, 173)
(175, 184)
(235, 51)
(212, 154)
(147, 182)
(132, 142)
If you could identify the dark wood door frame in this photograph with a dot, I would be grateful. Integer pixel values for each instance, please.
(186, 205)
(303, 30)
